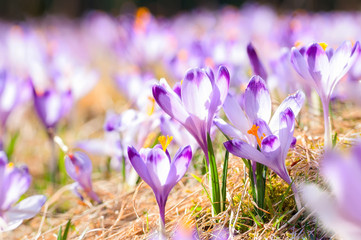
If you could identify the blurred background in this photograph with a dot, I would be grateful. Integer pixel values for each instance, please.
(20, 9)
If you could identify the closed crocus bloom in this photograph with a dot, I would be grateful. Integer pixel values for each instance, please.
(79, 168)
(202, 96)
(14, 182)
(52, 105)
(256, 64)
(323, 68)
(159, 171)
(339, 210)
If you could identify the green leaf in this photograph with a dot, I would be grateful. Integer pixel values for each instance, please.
(66, 231)
(334, 140)
(216, 195)
(59, 234)
(224, 181)
(11, 147)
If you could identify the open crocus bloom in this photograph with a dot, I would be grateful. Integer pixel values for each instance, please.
(156, 168)
(79, 168)
(323, 68)
(340, 210)
(14, 182)
(202, 96)
(274, 148)
(257, 105)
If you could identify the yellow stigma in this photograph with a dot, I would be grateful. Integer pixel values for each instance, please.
(165, 141)
(323, 45)
(151, 106)
(10, 165)
(254, 131)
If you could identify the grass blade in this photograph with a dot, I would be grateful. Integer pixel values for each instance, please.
(224, 181)
(216, 195)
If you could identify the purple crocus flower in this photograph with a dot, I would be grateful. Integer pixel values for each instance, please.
(202, 96)
(12, 92)
(156, 168)
(14, 182)
(257, 105)
(256, 64)
(79, 168)
(51, 106)
(340, 210)
(323, 68)
(274, 147)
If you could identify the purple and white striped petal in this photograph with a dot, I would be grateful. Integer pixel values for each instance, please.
(257, 100)
(235, 114)
(196, 93)
(170, 103)
(294, 102)
(244, 150)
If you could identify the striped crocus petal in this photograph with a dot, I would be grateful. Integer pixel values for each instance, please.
(257, 100)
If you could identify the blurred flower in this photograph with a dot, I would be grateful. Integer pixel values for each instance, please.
(323, 68)
(256, 64)
(51, 106)
(79, 168)
(202, 96)
(340, 210)
(14, 182)
(156, 168)
(12, 92)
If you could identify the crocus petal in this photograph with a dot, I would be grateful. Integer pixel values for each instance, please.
(16, 182)
(294, 102)
(271, 148)
(222, 82)
(228, 130)
(196, 93)
(326, 209)
(235, 114)
(139, 166)
(344, 176)
(299, 63)
(318, 66)
(158, 166)
(78, 165)
(286, 129)
(26, 209)
(179, 166)
(10, 225)
(257, 100)
(257, 66)
(244, 150)
(170, 103)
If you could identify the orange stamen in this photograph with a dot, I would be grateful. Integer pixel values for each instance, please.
(254, 131)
